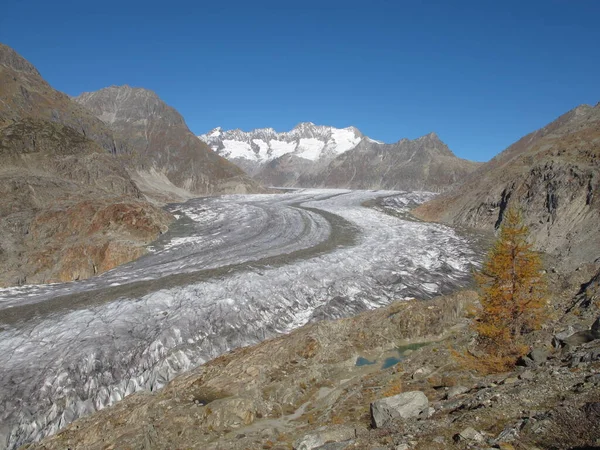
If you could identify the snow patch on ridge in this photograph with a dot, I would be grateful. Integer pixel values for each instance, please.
(280, 148)
(236, 149)
(344, 140)
(307, 140)
(310, 148)
(263, 152)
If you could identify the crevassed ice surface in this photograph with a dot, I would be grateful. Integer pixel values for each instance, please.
(232, 271)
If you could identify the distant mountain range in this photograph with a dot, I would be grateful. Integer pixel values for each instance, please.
(306, 140)
(322, 156)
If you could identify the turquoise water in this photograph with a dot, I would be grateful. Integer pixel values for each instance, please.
(392, 360)
(364, 362)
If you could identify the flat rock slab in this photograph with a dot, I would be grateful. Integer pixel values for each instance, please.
(405, 406)
(339, 435)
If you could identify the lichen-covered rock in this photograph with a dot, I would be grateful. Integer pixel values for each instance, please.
(455, 391)
(469, 434)
(323, 436)
(402, 406)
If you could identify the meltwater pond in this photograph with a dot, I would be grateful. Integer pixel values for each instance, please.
(232, 271)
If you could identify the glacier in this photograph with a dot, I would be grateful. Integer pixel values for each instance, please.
(232, 271)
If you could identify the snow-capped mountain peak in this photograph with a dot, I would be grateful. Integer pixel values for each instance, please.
(306, 140)
(215, 133)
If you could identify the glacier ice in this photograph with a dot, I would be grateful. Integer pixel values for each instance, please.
(232, 271)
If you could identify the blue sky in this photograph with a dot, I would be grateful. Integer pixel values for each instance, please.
(479, 73)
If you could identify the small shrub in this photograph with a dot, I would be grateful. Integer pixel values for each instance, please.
(393, 389)
(337, 420)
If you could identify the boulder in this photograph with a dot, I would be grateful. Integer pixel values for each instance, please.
(559, 338)
(577, 334)
(326, 435)
(525, 361)
(538, 355)
(511, 432)
(421, 373)
(406, 405)
(456, 390)
(581, 337)
(527, 375)
(469, 434)
(594, 378)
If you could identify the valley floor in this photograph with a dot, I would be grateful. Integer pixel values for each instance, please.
(232, 271)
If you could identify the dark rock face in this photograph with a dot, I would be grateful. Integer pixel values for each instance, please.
(10, 58)
(553, 175)
(157, 146)
(58, 172)
(425, 163)
(26, 94)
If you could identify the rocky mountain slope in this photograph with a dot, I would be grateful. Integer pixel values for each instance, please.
(553, 174)
(383, 379)
(163, 156)
(425, 163)
(321, 156)
(68, 210)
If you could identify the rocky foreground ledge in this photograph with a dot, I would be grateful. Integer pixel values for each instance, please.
(381, 380)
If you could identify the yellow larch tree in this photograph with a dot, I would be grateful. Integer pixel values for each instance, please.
(512, 297)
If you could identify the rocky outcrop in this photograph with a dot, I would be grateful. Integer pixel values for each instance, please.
(61, 186)
(80, 240)
(552, 175)
(319, 156)
(321, 437)
(162, 154)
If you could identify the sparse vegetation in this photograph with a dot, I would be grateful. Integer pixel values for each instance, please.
(394, 388)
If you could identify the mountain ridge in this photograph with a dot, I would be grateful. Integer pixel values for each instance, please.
(260, 148)
(163, 156)
(312, 155)
(68, 208)
(551, 174)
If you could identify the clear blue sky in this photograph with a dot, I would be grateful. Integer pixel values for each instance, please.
(479, 73)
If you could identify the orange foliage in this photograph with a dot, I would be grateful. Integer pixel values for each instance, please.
(393, 389)
(512, 297)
